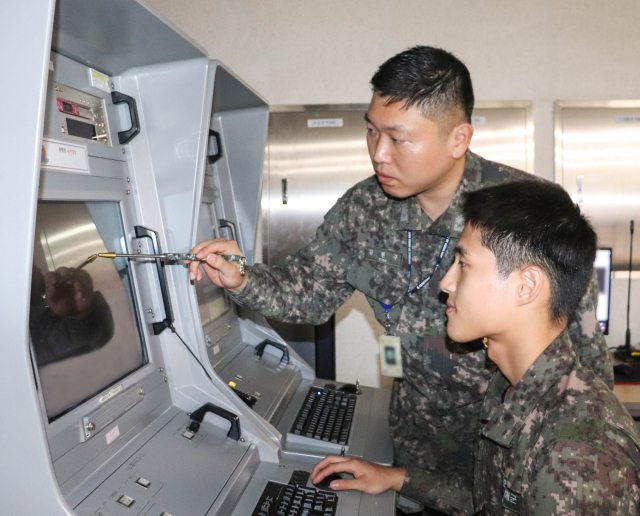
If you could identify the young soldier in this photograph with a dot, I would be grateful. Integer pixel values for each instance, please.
(553, 439)
(418, 133)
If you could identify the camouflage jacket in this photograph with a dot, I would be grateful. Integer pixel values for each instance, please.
(362, 245)
(561, 443)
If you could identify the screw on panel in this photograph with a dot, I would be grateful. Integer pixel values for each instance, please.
(128, 192)
(166, 379)
(112, 86)
(63, 130)
(141, 391)
(128, 180)
(242, 439)
(90, 426)
(161, 369)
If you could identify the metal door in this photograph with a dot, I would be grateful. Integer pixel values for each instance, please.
(597, 162)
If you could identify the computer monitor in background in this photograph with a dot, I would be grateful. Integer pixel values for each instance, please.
(602, 266)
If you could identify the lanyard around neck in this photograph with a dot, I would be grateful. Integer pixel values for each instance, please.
(387, 308)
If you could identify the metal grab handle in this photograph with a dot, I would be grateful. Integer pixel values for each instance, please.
(158, 327)
(224, 223)
(234, 431)
(214, 149)
(285, 191)
(285, 351)
(129, 134)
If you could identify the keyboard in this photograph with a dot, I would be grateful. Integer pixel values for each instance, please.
(326, 415)
(295, 500)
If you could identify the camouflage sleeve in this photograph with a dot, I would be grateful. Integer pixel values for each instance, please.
(579, 478)
(588, 341)
(445, 491)
(310, 286)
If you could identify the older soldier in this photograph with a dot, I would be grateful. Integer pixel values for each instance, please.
(553, 438)
(389, 237)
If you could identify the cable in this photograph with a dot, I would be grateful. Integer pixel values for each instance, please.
(173, 330)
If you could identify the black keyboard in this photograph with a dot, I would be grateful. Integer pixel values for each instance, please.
(293, 500)
(326, 414)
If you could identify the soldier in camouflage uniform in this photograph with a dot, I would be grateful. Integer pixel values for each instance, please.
(418, 145)
(553, 437)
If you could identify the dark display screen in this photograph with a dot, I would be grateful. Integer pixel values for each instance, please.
(81, 129)
(83, 320)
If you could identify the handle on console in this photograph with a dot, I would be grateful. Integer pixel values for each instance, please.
(224, 223)
(234, 431)
(214, 149)
(285, 351)
(158, 327)
(129, 134)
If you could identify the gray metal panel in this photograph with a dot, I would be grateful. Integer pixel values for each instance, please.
(186, 475)
(25, 32)
(243, 134)
(231, 93)
(597, 160)
(271, 380)
(117, 35)
(74, 74)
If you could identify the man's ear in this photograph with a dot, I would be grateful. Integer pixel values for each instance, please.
(461, 139)
(530, 285)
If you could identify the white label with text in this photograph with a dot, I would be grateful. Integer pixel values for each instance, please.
(57, 155)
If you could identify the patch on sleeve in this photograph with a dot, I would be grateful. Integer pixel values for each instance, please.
(510, 499)
(385, 256)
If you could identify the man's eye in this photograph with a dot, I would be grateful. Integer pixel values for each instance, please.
(395, 140)
(462, 264)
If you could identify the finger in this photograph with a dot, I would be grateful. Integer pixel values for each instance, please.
(229, 272)
(202, 250)
(353, 484)
(329, 459)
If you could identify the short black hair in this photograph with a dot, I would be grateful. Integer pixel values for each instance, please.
(536, 223)
(432, 79)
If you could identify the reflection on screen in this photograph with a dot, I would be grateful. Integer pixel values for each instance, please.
(602, 266)
(84, 328)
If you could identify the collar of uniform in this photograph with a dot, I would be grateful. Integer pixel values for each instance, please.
(411, 216)
(503, 421)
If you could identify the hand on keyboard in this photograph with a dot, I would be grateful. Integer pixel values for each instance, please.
(369, 477)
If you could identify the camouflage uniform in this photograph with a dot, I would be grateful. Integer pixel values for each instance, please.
(362, 245)
(561, 443)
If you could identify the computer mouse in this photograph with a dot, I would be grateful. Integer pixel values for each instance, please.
(624, 369)
(326, 481)
(349, 388)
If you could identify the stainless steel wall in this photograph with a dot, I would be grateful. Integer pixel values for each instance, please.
(597, 161)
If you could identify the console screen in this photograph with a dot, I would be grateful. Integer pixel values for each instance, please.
(84, 326)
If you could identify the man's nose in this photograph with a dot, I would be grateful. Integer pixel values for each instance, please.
(447, 284)
(381, 152)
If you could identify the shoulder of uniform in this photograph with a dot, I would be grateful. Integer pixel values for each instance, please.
(493, 173)
(365, 195)
(362, 198)
(589, 412)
